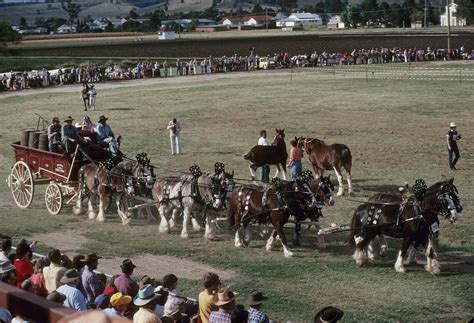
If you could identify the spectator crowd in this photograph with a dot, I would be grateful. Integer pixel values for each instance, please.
(99, 73)
(76, 284)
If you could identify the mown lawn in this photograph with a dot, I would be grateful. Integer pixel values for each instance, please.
(395, 129)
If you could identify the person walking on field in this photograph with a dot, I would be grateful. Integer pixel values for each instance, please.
(296, 154)
(262, 141)
(452, 138)
(92, 96)
(174, 126)
(85, 96)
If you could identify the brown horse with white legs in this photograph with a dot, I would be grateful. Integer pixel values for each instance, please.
(275, 154)
(328, 157)
(414, 220)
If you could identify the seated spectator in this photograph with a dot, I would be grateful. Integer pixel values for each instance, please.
(54, 272)
(146, 300)
(208, 296)
(89, 129)
(77, 262)
(255, 302)
(106, 136)
(7, 272)
(37, 279)
(110, 288)
(119, 305)
(240, 315)
(23, 266)
(74, 297)
(5, 315)
(160, 301)
(176, 304)
(226, 304)
(125, 284)
(147, 280)
(328, 314)
(70, 137)
(56, 297)
(6, 248)
(27, 286)
(90, 280)
(102, 302)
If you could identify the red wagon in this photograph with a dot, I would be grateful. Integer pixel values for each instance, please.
(34, 166)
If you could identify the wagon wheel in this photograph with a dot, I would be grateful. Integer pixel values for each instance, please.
(21, 184)
(53, 197)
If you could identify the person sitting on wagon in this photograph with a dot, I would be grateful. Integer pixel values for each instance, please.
(54, 135)
(89, 129)
(106, 136)
(70, 136)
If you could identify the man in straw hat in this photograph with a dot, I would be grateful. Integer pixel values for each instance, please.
(124, 283)
(74, 297)
(452, 138)
(146, 300)
(90, 281)
(226, 304)
(255, 301)
(119, 305)
(328, 314)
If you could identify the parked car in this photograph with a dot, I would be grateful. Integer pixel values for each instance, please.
(266, 63)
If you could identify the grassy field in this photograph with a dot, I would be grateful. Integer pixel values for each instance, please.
(394, 128)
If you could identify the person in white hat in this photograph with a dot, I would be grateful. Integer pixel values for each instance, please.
(146, 300)
(452, 138)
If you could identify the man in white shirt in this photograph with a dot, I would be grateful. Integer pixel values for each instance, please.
(265, 172)
(174, 126)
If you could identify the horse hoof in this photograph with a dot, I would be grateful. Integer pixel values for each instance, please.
(400, 270)
(289, 254)
(91, 215)
(184, 235)
(362, 263)
(340, 194)
(432, 270)
(351, 193)
(163, 230)
(101, 220)
(76, 210)
(127, 221)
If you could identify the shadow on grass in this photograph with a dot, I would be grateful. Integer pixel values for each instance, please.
(121, 109)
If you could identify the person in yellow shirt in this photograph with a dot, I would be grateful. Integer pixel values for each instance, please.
(208, 297)
(54, 272)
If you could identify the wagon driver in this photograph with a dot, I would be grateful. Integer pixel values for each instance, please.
(452, 138)
(54, 135)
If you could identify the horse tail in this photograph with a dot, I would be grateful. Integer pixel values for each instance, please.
(346, 158)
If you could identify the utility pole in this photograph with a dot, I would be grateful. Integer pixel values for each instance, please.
(266, 15)
(449, 26)
(425, 15)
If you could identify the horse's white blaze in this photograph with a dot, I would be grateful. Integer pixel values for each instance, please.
(269, 244)
(340, 191)
(399, 268)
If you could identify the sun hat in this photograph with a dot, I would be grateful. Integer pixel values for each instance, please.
(328, 314)
(255, 298)
(69, 276)
(91, 257)
(226, 296)
(145, 295)
(69, 118)
(6, 266)
(56, 297)
(127, 264)
(452, 125)
(118, 299)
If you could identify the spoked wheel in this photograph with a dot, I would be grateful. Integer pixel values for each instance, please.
(53, 197)
(21, 184)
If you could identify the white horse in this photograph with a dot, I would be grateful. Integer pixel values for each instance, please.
(190, 195)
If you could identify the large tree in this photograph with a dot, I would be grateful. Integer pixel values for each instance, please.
(72, 9)
(7, 34)
(465, 9)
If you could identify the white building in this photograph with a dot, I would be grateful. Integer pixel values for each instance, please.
(166, 35)
(66, 29)
(454, 20)
(335, 22)
(301, 20)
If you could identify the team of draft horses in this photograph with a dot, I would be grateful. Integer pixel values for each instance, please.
(412, 217)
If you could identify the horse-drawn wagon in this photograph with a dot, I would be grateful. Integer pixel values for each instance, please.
(35, 166)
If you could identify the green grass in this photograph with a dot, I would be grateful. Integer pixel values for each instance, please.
(394, 128)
